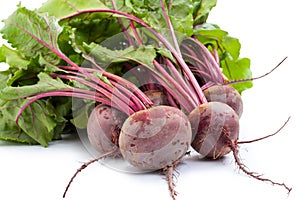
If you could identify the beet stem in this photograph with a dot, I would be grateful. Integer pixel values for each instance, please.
(136, 91)
(171, 29)
(85, 94)
(259, 177)
(179, 78)
(205, 61)
(190, 105)
(265, 137)
(112, 153)
(122, 25)
(127, 94)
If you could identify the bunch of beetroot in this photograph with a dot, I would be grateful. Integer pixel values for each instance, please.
(174, 97)
(183, 100)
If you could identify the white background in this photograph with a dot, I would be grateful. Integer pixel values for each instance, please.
(268, 31)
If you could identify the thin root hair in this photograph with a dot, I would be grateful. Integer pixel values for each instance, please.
(254, 78)
(265, 137)
(169, 173)
(112, 153)
(255, 175)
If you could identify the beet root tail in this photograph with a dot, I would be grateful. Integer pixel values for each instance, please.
(255, 175)
(112, 153)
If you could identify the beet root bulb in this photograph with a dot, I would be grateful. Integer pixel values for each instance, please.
(155, 138)
(215, 128)
(225, 94)
(103, 128)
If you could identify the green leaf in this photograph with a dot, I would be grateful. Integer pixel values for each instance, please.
(144, 55)
(202, 9)
(4, 76)
(17, 75)
(45, 84)
(237, 70)
(102, 78)
(41, 121)
(180, 13)
(62, 105)
(67, 44)
(63, 8)
(208, 32)
(12, 58)
(25, 75)
(35, 124)
(38, 123)
(39, 34)
(11, 132)
(97, 28)
(105, 56)
(81, 113)
(23, 71)
(232, 46)
(166, 53)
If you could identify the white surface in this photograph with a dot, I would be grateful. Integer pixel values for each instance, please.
(268, 31)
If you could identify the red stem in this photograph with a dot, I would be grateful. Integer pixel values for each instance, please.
(108, 92)
(123, 82)
(178, 77)
(171, 29)
(86, 94)
(122, 26)
(186, 101)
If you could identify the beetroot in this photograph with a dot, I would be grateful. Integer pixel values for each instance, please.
(225, 94)
(155, 138)
(105, 122)
(103, 128)
(215, 127)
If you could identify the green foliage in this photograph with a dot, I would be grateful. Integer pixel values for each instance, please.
(60, 9)
(36, 124)
(38, 34)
